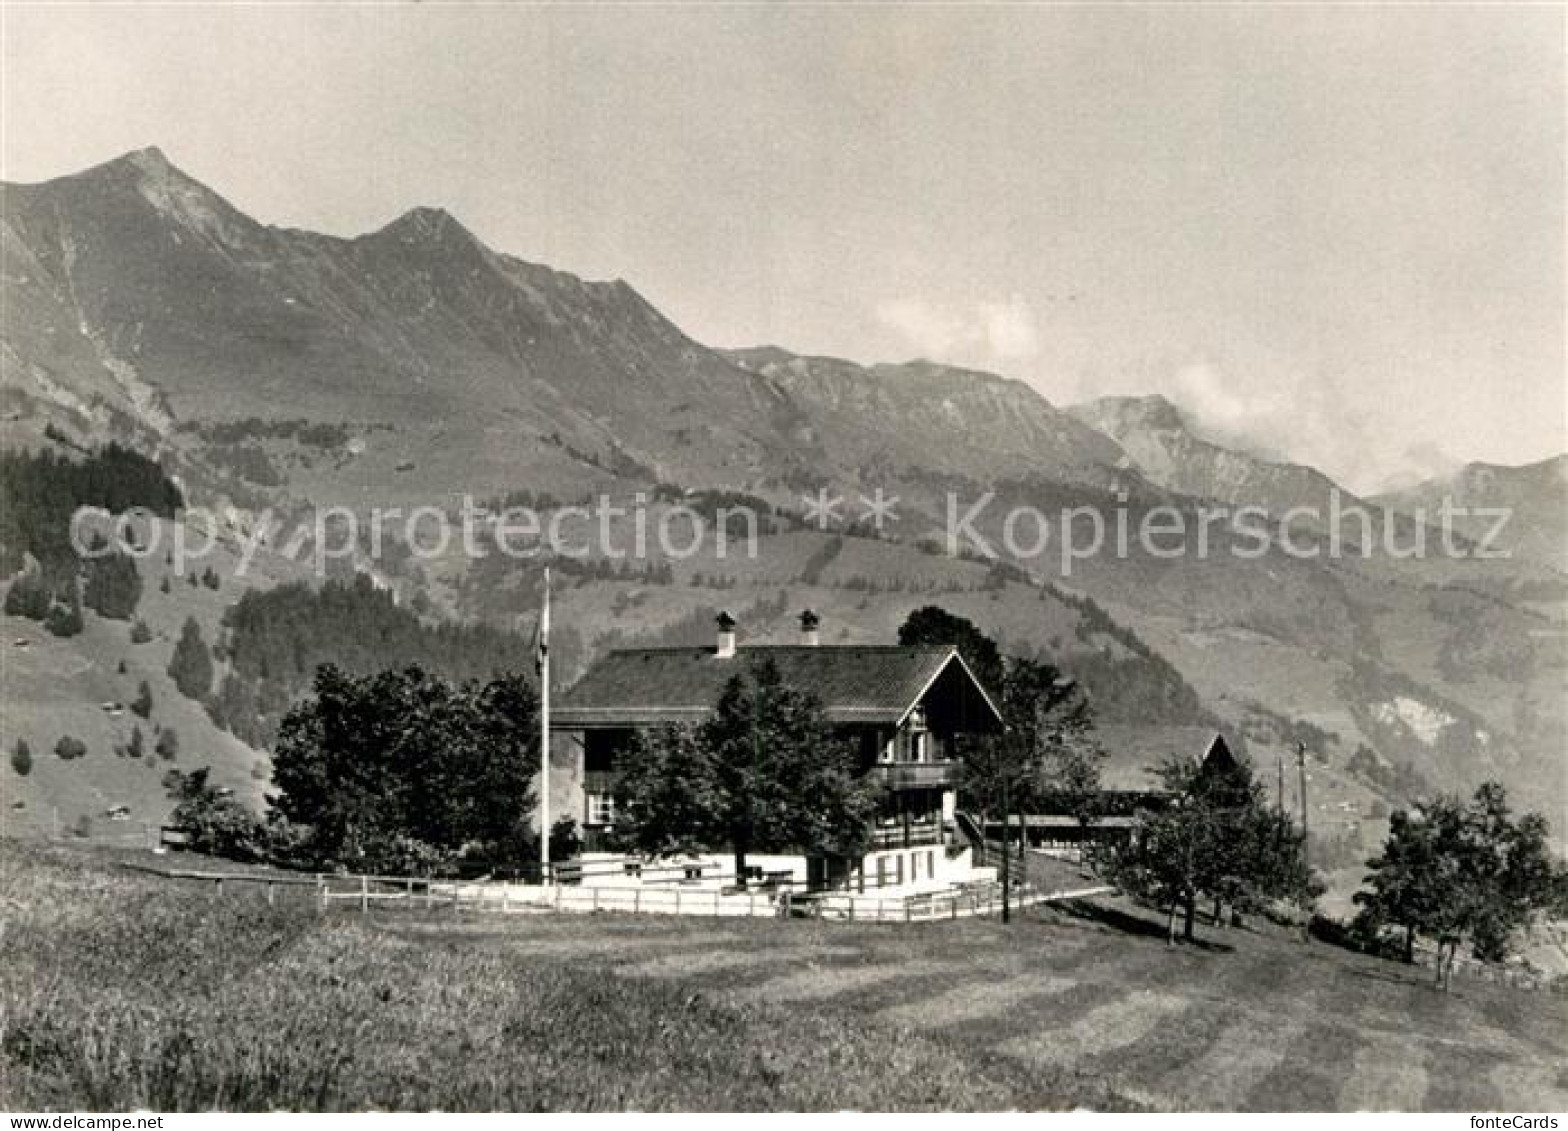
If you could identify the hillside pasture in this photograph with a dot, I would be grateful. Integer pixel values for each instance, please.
(125, 990)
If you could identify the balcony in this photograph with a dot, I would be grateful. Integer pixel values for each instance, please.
(913, 835)
(916, 775)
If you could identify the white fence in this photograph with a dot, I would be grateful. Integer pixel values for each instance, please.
(415, 893)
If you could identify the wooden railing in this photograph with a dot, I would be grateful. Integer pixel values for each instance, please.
(916, 775)
(916, 834)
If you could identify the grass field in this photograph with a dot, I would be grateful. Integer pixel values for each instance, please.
(124, 990)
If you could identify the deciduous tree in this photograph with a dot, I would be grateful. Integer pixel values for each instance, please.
(401, 769)
(1460, 872)
(765, 773)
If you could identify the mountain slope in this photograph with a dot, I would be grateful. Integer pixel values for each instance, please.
(136, 289)
(920, 414)
(1535, 497)
(1159, 442)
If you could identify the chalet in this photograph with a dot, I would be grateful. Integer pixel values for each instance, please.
(900, 706)
(1128, 783)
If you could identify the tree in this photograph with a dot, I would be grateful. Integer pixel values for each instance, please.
(402, 770)
(566, 842)
(191, 665)
(168, 745)
(1457, 872)
(142, 704)
(1218, 839)
(140, 633)
(764, 773)
(1050, 728)
(213, 821)
(113, 586)
(137, 746)
(1046, 752)
(22, 758)
(69, 748)
(933, 624)
(209, 578)
(667, 800)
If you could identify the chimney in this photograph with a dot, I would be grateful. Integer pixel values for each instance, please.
(808, 628)
(726, 635)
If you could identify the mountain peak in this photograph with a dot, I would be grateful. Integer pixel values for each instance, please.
(425, 224)
(1117, 414)
(170, 192)
(146, 165)
(149, 159)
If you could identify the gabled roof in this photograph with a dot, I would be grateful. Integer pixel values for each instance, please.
(874, 684)
(1132, 752)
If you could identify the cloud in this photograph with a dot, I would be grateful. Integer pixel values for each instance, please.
(1202, 390)
(984, 332)
(1306, 421)
(1010, 330)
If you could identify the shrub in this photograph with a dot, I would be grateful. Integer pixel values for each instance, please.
(22, 758)
(28, 597)
(137, 745)
(142, 704)
(168, 745)
(140, 633)
(214, 822)
(65, 619)
(69, 748)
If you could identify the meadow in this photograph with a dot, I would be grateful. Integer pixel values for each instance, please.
(122, 990)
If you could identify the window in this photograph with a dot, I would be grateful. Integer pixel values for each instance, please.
(601, 809)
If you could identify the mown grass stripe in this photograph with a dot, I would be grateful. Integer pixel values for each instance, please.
(973, 1001)
(1389, 1073)
(1312, 1071)
(1104, 1029)
(818, 983)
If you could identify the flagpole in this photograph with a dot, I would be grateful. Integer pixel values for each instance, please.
(544, 733)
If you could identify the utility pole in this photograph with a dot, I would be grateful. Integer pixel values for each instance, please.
(1007, 796)
(1301, 770)
(542, 659)
(1306, 858)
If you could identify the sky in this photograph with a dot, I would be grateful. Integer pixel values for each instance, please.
(1331, 233)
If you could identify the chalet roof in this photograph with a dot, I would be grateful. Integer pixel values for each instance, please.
(875, 684)
(1132, 752)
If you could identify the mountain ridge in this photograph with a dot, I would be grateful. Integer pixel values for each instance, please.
(138, 303)
(144, 270)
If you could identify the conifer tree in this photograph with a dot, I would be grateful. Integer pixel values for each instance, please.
(191, 665)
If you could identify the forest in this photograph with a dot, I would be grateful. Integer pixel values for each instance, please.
(275, 640)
